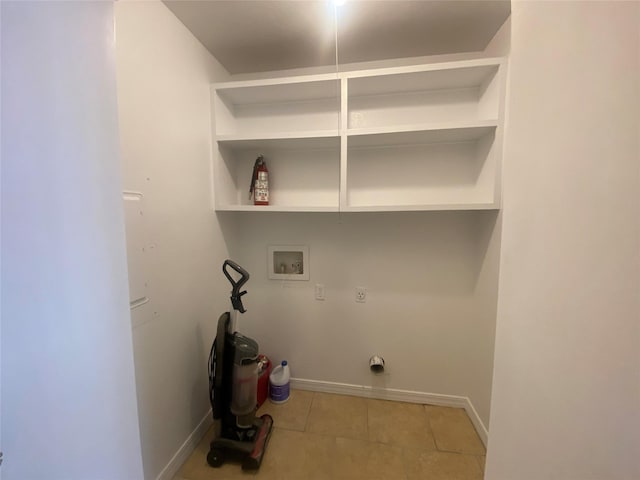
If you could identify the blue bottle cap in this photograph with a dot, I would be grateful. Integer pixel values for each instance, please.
(284, 363)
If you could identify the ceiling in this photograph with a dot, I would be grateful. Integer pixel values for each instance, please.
(249, 36)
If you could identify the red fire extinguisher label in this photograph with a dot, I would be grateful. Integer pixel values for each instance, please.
(261, 189)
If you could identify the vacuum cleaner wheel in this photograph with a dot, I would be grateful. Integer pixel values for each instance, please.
(215, 457)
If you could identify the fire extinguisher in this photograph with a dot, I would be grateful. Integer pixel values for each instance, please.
(259, 188)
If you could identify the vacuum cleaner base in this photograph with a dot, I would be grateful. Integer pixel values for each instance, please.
(251, 452)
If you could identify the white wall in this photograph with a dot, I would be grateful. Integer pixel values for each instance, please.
(432, 279)
(566, 391)
(432, 282)
(427, 313)
(68, 387)
(165, 124)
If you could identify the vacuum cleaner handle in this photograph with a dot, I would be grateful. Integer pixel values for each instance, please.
(236, 294)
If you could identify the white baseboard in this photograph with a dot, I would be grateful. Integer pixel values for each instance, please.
(186, 449)
(397, 395)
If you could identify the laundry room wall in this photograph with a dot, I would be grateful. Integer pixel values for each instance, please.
(431, 276)
(431, 280)
(567, 367)
(163, 76)
(68, 388)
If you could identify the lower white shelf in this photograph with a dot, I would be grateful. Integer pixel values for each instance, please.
(362, 208)
(411, 171)
(425, 207)
(275, 208)
(304, 174)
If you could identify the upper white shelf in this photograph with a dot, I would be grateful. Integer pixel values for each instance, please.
(400, 98)
(402, 80)
(423, 137)
(450, 132)
(267, 108)
(276, 90)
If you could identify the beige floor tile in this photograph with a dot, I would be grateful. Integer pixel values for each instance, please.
(441, 466)
(338, 415)
(291, 415)
(453, 431)
(362, 460)
(298, 455)
(350, 438)
(401, 424)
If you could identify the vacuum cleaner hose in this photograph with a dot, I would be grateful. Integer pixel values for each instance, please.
(212, 376)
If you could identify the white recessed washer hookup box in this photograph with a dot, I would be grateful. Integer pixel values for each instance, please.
(288, 262)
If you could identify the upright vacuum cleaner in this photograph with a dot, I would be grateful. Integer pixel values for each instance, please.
(233, 380)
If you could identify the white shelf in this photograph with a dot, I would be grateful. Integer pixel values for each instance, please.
(449, 132)
(280, 90)
(370, 208)
(276, 208)
(304, 173)
(456, 75)
(424, 95)
(283, 140)
(395, 171)
(423, 207)
(424, 137)
(269, 107)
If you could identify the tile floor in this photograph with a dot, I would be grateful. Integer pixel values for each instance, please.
(324, 436)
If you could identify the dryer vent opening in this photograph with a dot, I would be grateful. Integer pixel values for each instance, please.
(376, 364)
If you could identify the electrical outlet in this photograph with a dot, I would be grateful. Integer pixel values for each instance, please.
(319, 291)
(361, 294)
